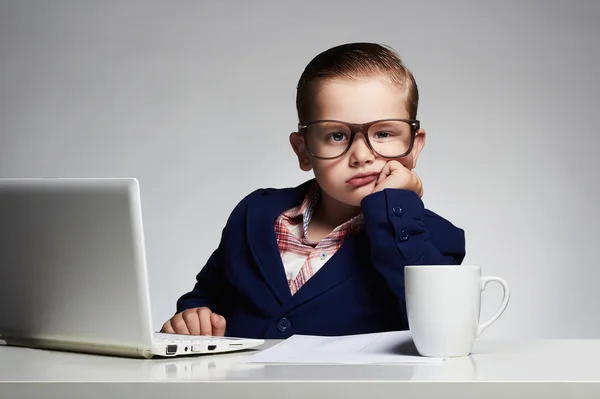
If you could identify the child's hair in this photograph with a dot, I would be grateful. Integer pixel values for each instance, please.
(353, 60)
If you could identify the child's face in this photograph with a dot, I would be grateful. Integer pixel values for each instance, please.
(355, 101)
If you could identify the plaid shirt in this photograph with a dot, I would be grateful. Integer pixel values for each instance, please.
(301, 257)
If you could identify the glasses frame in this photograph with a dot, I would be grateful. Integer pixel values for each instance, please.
(355, 128)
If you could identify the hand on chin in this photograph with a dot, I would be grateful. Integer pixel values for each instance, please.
(396, 175)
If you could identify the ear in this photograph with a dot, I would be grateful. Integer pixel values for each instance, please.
(418, 146)
(297, 142)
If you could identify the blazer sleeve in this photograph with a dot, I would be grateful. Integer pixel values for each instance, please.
(206, 291)
(402, 232)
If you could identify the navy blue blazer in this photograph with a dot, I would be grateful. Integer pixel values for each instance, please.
(359, 290)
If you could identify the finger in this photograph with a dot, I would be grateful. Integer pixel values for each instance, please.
(218, 323)
(167, 328)
(178, 324)
(205, 324)
(394, 166)
(385, 172)
(192, 321)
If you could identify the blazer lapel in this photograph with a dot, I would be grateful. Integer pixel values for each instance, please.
(260, 225)
(345, 263)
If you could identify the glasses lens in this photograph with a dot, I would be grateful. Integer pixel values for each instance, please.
(390, 138)
(327, 139)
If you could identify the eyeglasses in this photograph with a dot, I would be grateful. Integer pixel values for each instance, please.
(388, 138)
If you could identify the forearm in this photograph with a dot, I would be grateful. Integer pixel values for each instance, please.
(399, 236)
(207, 289)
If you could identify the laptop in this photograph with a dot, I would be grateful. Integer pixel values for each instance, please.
(73, 271)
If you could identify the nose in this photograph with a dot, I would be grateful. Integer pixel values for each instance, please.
(360, 153)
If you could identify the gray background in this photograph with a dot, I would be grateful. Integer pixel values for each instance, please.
(196, 100)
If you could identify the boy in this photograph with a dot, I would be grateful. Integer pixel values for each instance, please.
(327, 257)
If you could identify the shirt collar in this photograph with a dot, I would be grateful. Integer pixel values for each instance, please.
(307, 208)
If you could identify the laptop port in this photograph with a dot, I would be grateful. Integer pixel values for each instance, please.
(171, 349)
(212, 347)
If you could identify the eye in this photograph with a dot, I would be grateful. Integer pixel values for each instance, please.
(337, 136)
(383, 135)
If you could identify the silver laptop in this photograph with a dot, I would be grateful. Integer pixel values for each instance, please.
(73, 271)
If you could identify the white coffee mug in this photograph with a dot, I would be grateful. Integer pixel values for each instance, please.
(443, 305)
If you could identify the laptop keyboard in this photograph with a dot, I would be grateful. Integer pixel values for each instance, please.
(175, 338)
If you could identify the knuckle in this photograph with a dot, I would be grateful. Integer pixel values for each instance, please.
(177, 322)
(188, 314)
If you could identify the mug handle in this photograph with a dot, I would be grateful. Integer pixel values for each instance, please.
(505, 296)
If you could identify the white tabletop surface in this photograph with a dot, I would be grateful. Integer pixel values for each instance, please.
(544, 368)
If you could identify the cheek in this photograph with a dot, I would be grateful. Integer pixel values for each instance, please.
(328, 172)
(407, 161)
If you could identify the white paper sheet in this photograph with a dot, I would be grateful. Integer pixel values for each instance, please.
(393, 347)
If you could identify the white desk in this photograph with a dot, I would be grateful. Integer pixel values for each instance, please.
(548, 369)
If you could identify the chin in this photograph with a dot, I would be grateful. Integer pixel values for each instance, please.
(355, 198)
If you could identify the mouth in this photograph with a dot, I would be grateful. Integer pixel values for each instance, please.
(362, 179)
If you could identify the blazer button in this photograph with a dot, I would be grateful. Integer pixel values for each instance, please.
(403, 235)
(397, 211)
(284, 324)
